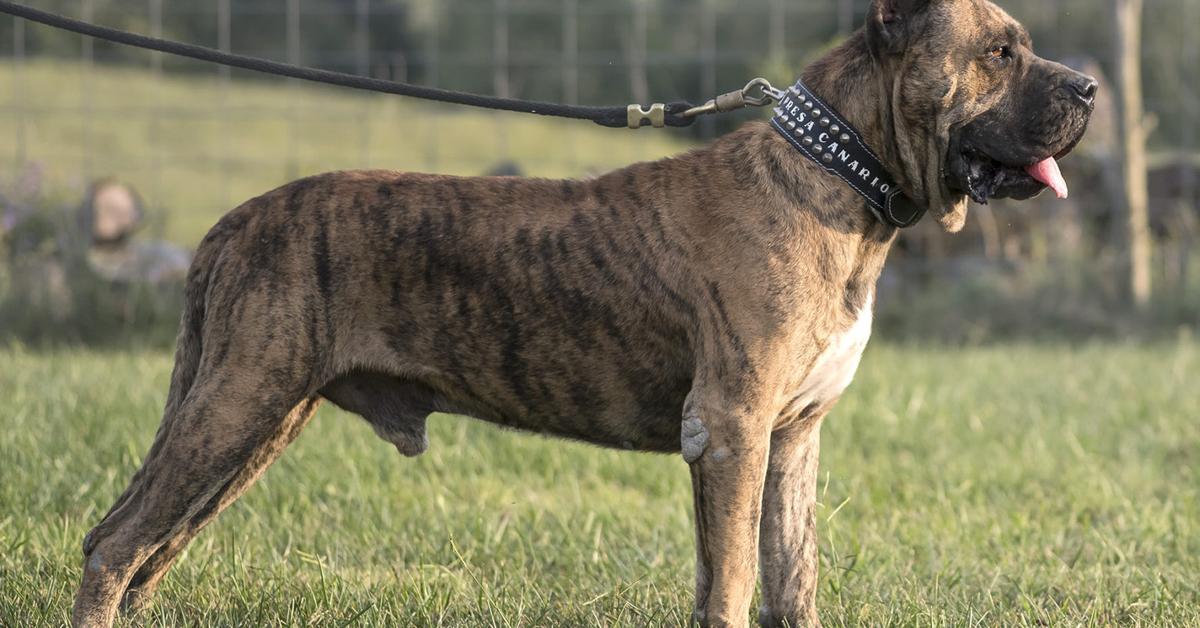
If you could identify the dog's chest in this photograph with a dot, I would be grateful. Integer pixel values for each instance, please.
(834, 368)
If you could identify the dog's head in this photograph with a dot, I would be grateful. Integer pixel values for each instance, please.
(975, 113)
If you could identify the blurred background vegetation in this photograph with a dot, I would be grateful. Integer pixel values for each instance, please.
(188, 141)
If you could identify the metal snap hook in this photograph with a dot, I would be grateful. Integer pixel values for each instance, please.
(757, 93)
(767, 96)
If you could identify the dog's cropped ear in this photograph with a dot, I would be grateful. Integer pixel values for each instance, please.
(889, 24)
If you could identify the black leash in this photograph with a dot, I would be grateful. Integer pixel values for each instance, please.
(676, 114)
(817, 133)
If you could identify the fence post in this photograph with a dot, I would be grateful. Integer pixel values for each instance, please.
(156, 70)
(89, 57)
(570, 70)
(500, 69)
(1190, 52)
(1133, 149)
(777, 32)
(845, 14)
(500, 82)
(708, 27)
(639, 84)
(293, 57)
(362, 37)
(362, 66)
(156, 31)
(433, 71)
(433, 67)
(570, 26)
(224, 44)
(21, 154)
(1052, 47)
(224, 24)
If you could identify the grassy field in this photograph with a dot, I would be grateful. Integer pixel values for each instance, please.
(196, 148)
(1000, 486)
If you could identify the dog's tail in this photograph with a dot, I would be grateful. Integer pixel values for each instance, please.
(188, 344)
(188, 350)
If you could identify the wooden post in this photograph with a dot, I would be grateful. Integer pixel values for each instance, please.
(224, 37)
(1190, 56)
(639, 82)
(19, 89)
(89, 57)
(501, 74)
(362, 37)
(776, 33)
(500, 80)
(570, 27)
(292, 20)
(154, 198)
(433, 73)
(225, 44)
(708, 48)
(845, 15)
(570, 72)
(362, 66)
(1133, 148)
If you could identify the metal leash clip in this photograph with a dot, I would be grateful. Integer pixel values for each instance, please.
(757, 93)
(745, 97)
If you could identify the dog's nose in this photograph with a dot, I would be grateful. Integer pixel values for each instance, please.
(1085, 87)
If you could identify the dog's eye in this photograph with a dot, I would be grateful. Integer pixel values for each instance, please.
(999, 53)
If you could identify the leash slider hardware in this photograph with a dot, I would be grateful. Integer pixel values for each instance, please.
(656, 116)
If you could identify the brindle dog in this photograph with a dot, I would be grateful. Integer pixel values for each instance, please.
(713, 304)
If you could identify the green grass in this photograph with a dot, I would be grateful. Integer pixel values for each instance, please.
(196, 149)
(997, 486)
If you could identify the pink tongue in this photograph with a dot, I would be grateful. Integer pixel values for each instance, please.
(1047, 172)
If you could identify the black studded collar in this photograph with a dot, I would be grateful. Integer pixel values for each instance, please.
(820, 134)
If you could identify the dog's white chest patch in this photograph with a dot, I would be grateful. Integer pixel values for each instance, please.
(835, 367)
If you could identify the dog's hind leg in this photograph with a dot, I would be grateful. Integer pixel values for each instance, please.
(219, 439)
(188, 352)
(147, 578)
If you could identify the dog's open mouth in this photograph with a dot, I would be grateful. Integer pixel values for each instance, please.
(982, 177)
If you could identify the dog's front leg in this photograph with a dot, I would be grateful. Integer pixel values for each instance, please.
(788, 530)
(725, 442)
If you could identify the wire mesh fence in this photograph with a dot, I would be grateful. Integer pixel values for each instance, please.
(79, 109)
(196, 139)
